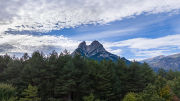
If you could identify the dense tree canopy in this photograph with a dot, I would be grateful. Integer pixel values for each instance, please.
(62, 77)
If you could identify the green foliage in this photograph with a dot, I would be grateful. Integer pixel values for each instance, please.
(160, 82)
(131, 96)
(170, 75)
(4, 60)
(176, 86)
(7, 92)
(162, 73)
(65, 77)
(30, 94)
(162, 89)
(164, 92)
(90, 98)
(68, 79)
(139, 76)
(149, 94)
(13, 70)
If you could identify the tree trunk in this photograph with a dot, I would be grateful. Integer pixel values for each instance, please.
(74, 96)
(69, 96)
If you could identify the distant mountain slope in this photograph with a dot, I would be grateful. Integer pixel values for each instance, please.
(153, 59)
(166, 62)
(96, 51)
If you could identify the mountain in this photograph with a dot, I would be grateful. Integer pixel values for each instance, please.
(166, 62)
(153, 59)
(96, 51)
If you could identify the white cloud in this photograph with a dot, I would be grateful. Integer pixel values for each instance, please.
(116, 51)
(150, 53)
(105, 34)
(148, 43)
(47, 15)
(148, 47)
(13, 44)
(137, 59)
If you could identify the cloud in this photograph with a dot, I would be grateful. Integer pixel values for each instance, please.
(148, 43)
(116, 51)
(147, 46)
(45, 15)
(139, 47)
(16, 44)
(5, 47)
(105, 34)
(150, 52)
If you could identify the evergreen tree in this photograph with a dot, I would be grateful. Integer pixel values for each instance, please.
(136, 80)
(103, 85)
(170, 75)
(83, 82)
(90, 98)
(4, 60)
(7, 92)
(30, 94)
(162, 73)
(122, 78)
(51, 73)
(12, 72)
(68, 79)
(176, 86)
(33, 73)
(25, 56)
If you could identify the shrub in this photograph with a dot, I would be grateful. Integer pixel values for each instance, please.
(131, 96)
(164, 93)
(90, 98)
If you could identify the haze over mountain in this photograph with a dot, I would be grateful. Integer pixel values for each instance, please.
(166, 62)
(96, 51)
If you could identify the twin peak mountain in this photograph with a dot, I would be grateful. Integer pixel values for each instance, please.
(97, 52)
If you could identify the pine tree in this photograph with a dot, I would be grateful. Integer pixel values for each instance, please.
(13, 71)
(103, 85)
(122, 78)
(162, 73)
(170, 75)
(176, 86)
(30, 94)
(7, 92)
(4, 60)
(83, 82)
(51, 73)
(67, 79)
(33, 73)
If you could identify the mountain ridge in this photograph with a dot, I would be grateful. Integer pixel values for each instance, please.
(97, 52)
(166, 62)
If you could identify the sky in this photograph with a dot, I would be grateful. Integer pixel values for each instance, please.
(134, 29)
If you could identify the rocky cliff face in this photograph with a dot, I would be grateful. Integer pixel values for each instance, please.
(92, 49)
(96, 51)
(166, 62)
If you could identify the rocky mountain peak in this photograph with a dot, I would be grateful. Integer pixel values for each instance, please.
(82, 45)
(95, 43)
(96, 51)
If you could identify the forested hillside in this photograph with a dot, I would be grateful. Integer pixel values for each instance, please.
(66, 78)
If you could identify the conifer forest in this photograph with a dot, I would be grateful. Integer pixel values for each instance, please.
(62, 77)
